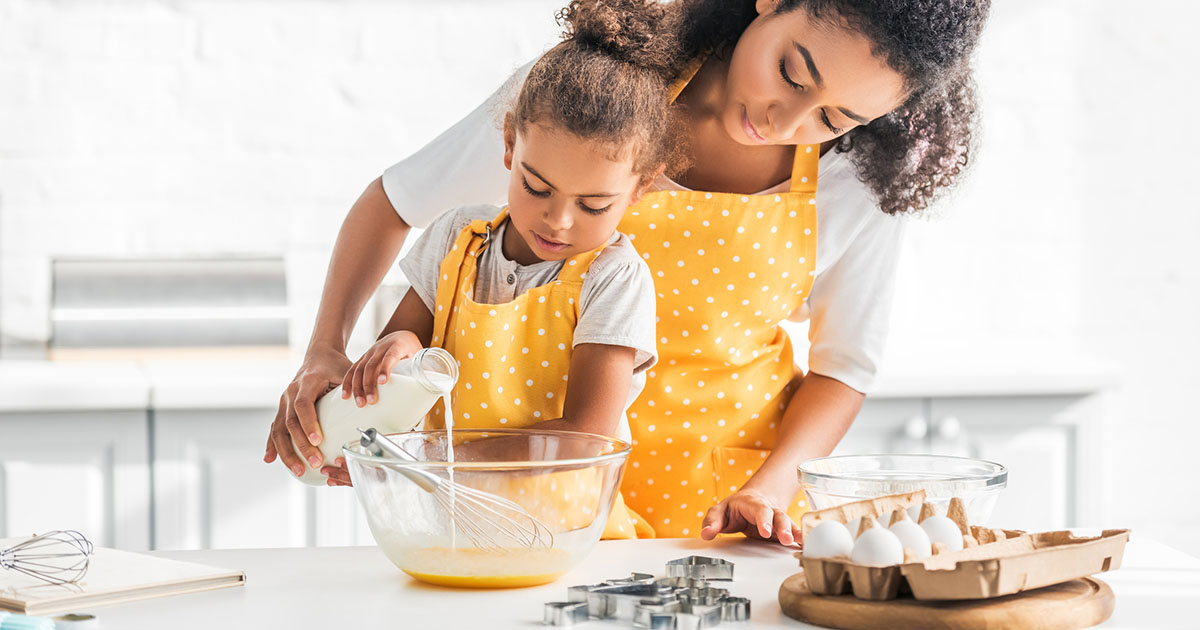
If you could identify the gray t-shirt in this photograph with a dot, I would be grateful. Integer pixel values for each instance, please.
(616, 302)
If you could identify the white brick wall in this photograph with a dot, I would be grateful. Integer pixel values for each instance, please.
(156, 127)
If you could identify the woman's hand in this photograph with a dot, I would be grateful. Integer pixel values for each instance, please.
(372, 370)
(296, 419)
(752, 513)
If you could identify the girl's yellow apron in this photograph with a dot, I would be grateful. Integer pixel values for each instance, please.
(514, 359)
(728, 268)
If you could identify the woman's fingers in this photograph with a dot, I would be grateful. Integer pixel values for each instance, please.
(283, 446)
(304, 405)
(280, 413)
(302, 427)
(783, 528)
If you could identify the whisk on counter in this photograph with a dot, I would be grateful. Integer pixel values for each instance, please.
(491, 522)
(58, 557)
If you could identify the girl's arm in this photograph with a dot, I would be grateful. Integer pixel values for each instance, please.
(817, 417)
(409, 329)
(598, 382)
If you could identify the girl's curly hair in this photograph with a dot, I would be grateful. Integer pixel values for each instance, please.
(607, 82)
(906, 157)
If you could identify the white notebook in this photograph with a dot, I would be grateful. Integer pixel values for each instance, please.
(113, 577)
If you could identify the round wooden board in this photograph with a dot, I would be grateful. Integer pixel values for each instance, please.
(1076, 604)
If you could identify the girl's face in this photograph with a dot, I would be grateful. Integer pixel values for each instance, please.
(793, 80)
(566, 195)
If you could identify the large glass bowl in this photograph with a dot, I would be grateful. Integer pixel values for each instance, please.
(566, 480)
(832, 481)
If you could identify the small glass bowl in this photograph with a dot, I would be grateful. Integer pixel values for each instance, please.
(833, 481)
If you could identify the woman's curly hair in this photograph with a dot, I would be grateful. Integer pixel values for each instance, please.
(906, 157)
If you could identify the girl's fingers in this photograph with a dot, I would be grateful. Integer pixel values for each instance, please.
(390, 358)
(370, 375)
(356, 387)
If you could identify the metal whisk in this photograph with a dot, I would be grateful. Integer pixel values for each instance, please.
(57, 557)
(491, 522)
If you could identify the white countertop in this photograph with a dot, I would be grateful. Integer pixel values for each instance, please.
(36, 385)
(341, 587)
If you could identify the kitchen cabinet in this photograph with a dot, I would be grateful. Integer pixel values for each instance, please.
(82, 470)
(168, 455)
(213, 491)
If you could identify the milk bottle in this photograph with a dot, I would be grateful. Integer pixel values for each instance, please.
(414, 385)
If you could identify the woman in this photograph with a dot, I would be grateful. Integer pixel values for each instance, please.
(871, 98)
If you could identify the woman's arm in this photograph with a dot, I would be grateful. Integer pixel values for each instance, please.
(367, 244)
(815, 420)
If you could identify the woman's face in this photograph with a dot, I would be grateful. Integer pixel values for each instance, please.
(565, 195)
(793, 80)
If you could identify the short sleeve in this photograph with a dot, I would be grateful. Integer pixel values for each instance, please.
(465, 164)
(617, 304)
(851, 300)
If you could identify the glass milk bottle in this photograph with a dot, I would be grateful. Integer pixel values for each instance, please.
(413, 387)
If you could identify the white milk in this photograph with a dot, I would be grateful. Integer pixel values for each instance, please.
(413, 387)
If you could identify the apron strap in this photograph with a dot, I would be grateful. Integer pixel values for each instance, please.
(804, 168)
(457, 272)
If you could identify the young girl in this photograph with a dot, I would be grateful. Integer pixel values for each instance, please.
(548, 309)
(873, 96)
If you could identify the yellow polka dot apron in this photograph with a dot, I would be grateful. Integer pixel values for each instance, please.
(514, 359)
(727, 268)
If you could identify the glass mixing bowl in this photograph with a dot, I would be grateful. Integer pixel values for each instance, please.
(466, 532)
(832, 481)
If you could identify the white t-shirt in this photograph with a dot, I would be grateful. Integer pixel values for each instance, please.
(616, 300)
(858, 246)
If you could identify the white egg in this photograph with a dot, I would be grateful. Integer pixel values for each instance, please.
(877, 547)
(943, 530)
(912, 537)
(853, 526)
(828, 539)
(914, 512)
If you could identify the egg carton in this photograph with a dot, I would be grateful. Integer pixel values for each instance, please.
(992, 562)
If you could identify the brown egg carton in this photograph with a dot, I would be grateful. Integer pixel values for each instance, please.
(992, 563)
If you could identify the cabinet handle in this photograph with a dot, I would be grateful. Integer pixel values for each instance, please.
(951, 439)
(916, 428)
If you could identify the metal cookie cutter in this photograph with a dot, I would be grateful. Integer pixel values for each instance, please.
(735, 609)
(619, 601)
(707, 596)
(565, 614)
(634, 578)
(700, 567)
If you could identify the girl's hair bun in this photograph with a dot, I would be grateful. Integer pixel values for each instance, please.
(627, 30)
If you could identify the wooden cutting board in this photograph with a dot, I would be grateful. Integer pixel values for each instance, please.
(1079, 603)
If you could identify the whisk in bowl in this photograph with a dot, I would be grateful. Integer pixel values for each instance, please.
(490, 522)
(57, 557)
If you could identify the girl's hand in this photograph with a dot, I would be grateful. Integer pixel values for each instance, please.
(368, 373)
(750, 512)
(296, 418)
